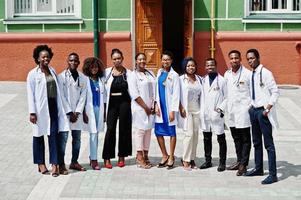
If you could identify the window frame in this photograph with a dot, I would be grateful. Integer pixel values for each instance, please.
(42, 17)
(271, 15)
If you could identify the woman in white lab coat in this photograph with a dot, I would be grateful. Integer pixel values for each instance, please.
(190, 106)
(95, 104)
(212, 114)
(142, 83)
(47, 114)
(167, 106)
(119, 108)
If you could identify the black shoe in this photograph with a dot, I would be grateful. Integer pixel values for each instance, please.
(206, 165)
(269, 180)
(163, 164)
(221, 167)
(234, 166)
(254, 172)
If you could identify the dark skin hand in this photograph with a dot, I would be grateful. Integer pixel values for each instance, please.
(73, 117)
(33, 118)
(147, 110)
(85, 117)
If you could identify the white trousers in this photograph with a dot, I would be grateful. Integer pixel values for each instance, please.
(143, 138)
(191, 137)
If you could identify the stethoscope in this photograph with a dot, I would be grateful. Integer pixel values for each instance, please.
(109, 75)
(217, 83)
(68, 73)
(145, 71)
(238, 80)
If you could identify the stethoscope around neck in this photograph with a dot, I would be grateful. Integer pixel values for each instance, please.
(69, 74)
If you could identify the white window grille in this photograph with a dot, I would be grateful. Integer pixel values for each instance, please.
(44, 7)
(274, 6)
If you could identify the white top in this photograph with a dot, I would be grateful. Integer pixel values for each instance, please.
(38, 102)
(266, 92)
(239, 99)
(215, 97)
(142, 85)
(190, 98)
(74, 95)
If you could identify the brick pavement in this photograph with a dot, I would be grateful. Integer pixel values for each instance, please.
(19, 178)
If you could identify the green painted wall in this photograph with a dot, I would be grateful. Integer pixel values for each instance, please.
(111, 18)
(115, 15)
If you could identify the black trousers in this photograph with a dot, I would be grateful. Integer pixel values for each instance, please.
(119, 108)
(221, 139)
(242, 142)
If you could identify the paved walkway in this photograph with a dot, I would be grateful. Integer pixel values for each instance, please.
(19, 178)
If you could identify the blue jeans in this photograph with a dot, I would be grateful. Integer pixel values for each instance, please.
(261, 126)
(62, 141)
(93, 146)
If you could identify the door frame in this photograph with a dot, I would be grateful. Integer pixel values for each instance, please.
(133, 29)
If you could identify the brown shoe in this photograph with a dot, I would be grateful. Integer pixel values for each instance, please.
(234, 166)
(77, 166)
(241, 170)
(63, 170)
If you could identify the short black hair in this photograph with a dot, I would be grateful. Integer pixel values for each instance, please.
(185, 62)
(211, 59)
(90, 61)
(115, 50)
(255, 51)
(168, 53)
(138, 54)
(73, 54)
(38, 49)
(234, 51)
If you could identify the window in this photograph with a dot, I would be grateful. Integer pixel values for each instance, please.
(17, 10)
(274, 6)
(43, 7)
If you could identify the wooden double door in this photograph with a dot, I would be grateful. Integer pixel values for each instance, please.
(150, 26)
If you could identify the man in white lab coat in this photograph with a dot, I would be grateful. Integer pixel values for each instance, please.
(74, 91)
(238, 103)
(212, 114)
(264, 95)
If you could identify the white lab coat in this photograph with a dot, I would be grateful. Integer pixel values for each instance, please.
(266, 94)
(215, 96)
(142, 85)
(182, 122)
(108, 82)
(172, 95)
(91, 126)
(38, 102)
(74, 95)
(239, 99)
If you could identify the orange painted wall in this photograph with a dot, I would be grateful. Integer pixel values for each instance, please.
(16, 50)
(280, 52)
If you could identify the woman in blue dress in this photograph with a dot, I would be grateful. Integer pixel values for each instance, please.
(167, 105)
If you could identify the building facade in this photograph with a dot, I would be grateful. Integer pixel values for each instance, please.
(151, 26)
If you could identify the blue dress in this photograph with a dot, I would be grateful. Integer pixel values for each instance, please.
(96, 99)
(163, 129)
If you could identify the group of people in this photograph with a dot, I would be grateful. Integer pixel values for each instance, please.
(75, 101)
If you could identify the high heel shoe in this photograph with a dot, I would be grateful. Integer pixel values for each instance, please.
(170, 163)
(55, 171)
(107, 164)
(45, 171)
(94, 165)
(163, 164)
(142, 164)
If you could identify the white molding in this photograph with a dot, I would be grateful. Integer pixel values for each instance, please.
(203, 19)
(75, 21)
(258, 21)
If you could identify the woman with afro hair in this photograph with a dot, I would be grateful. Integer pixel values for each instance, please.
(46, 112)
